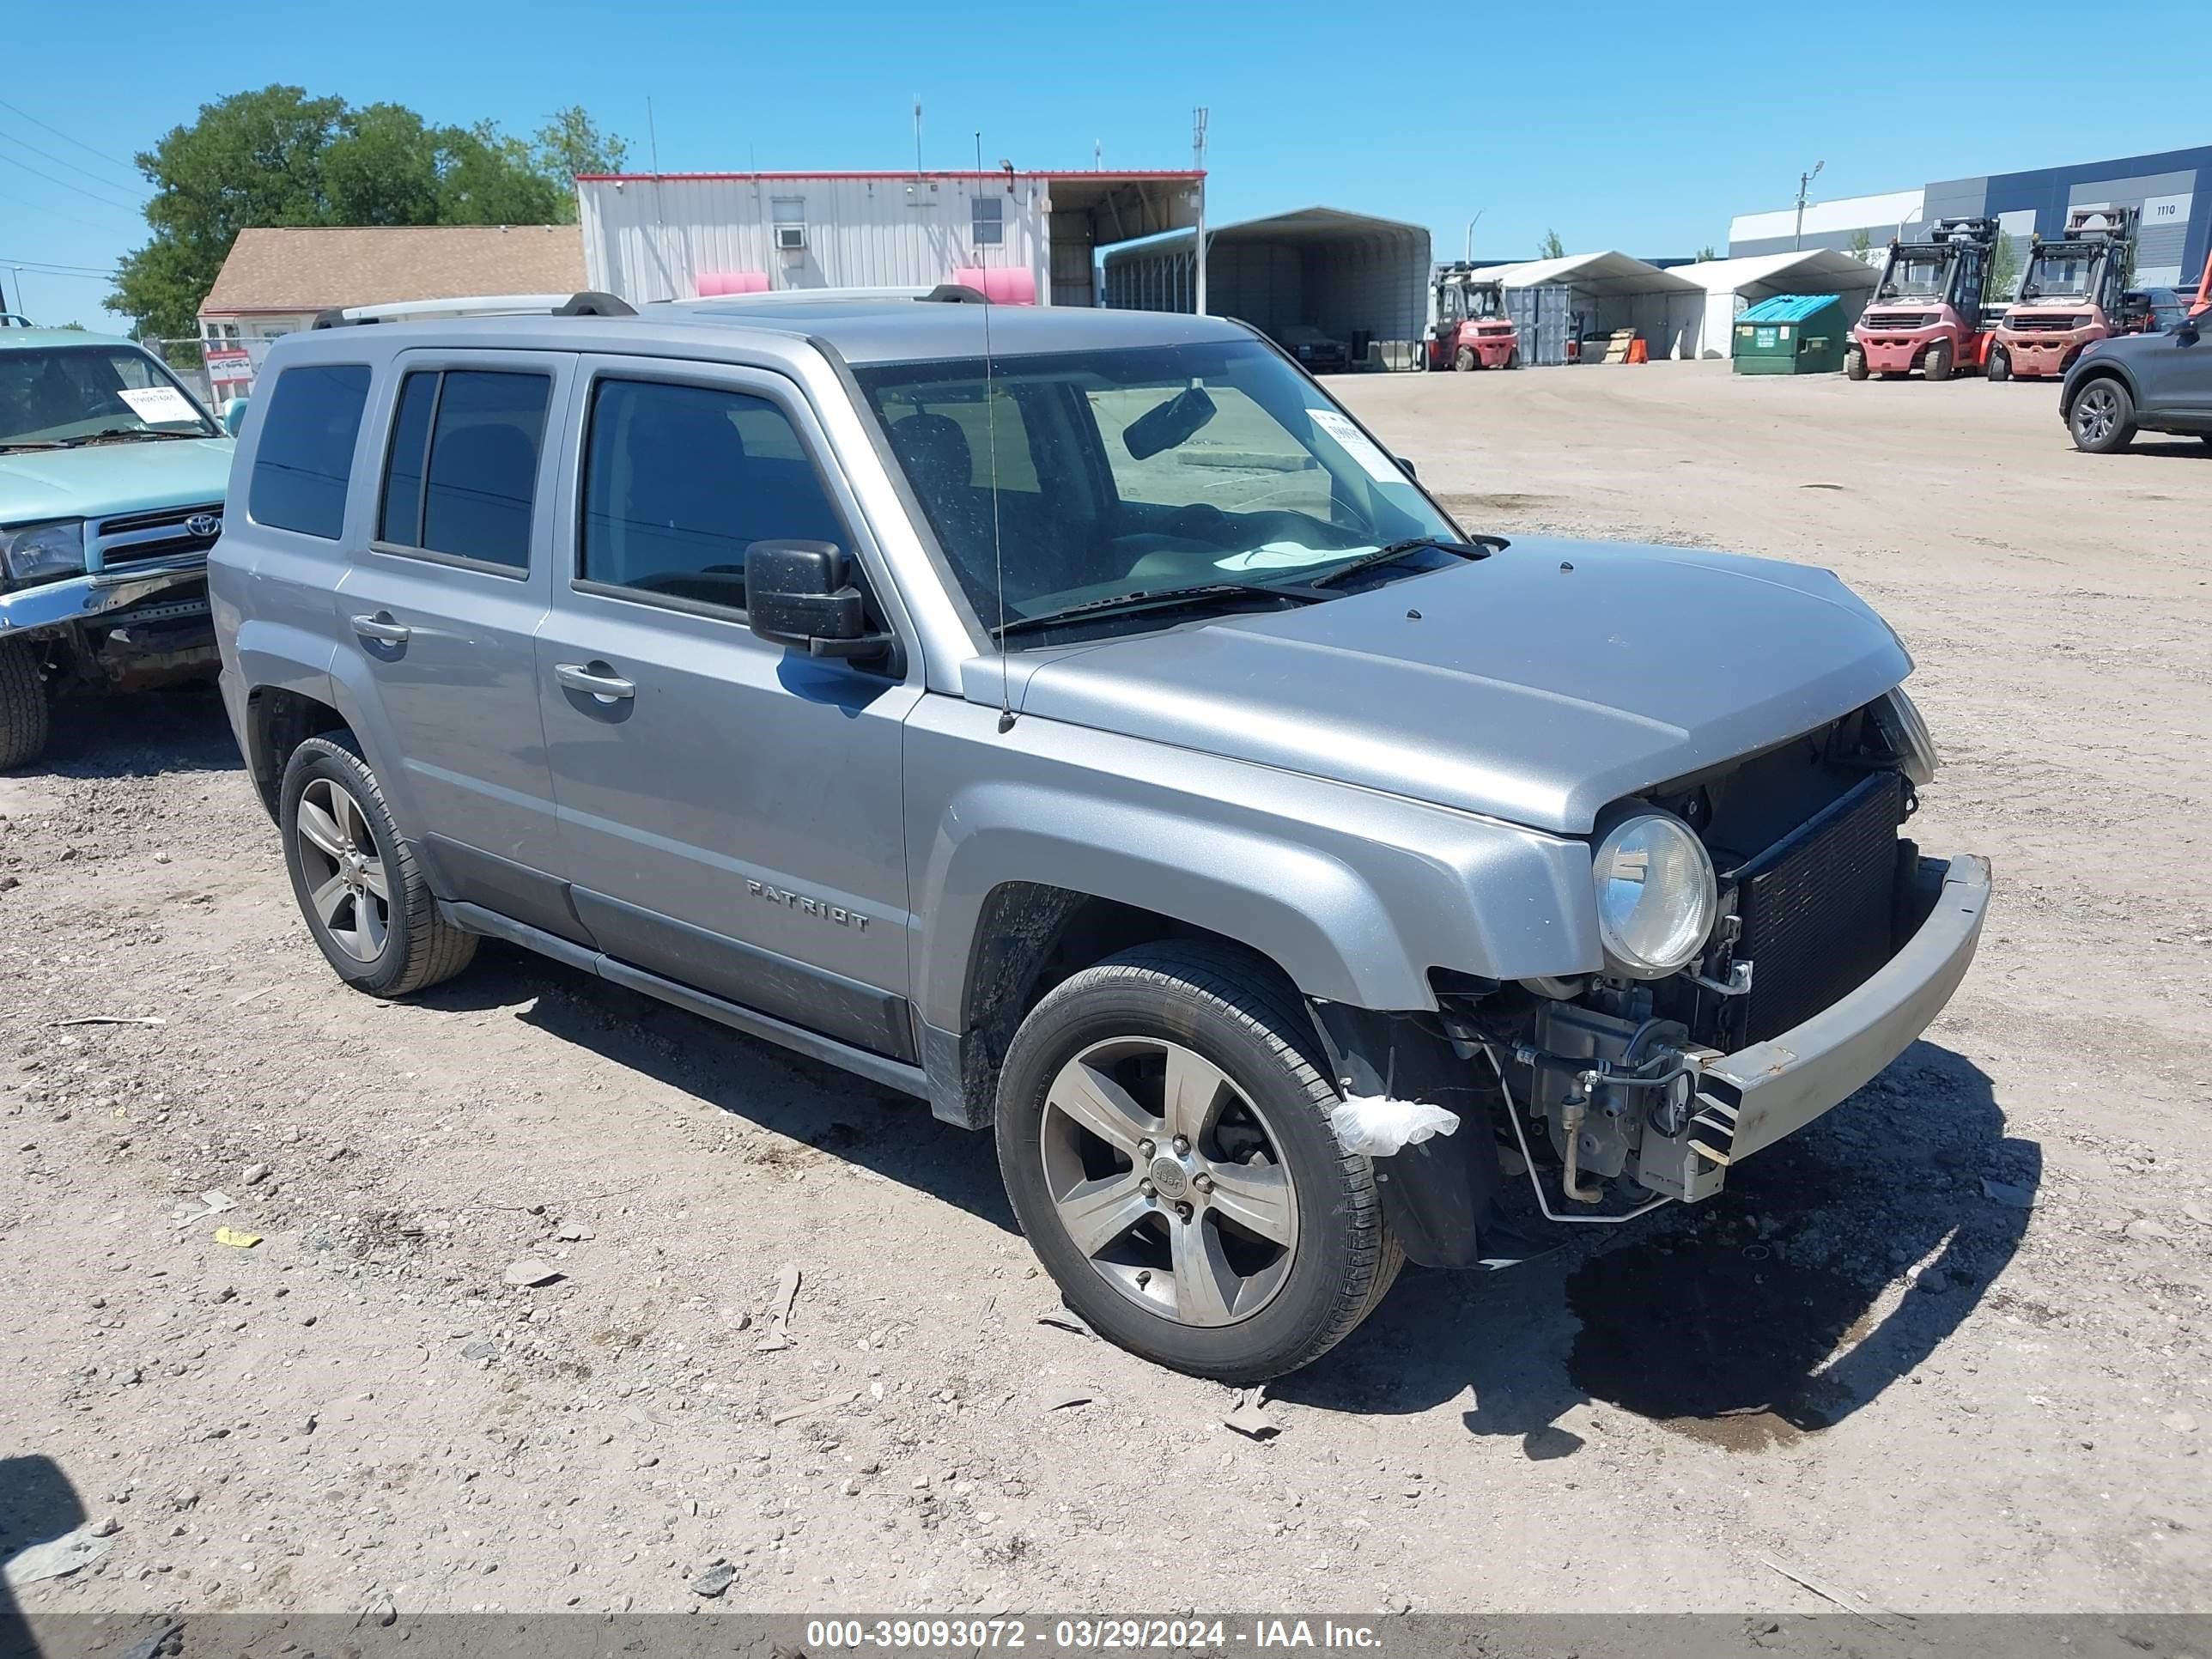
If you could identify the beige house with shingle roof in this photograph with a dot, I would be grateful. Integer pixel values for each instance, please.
(277, 279)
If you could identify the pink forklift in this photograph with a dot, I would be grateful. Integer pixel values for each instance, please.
(1926, 313)
(2069, 295)
(1472, 329)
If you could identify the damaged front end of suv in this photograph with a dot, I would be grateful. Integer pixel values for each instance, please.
(1771, 940)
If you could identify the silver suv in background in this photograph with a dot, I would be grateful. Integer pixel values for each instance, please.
(1077, 720)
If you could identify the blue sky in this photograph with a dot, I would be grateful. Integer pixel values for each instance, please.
(1644, 127)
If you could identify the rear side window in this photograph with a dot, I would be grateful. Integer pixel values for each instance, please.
(679, 480)
(305, 452)
(461, 477)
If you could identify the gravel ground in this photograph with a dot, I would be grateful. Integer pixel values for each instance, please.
(1948, 1350)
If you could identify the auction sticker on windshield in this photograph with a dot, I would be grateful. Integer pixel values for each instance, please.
(158, 405)
(1357, 444)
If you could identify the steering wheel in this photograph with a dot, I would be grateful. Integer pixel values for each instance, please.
(1202, 521)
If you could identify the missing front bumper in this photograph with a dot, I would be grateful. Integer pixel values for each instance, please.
(1751, 1099)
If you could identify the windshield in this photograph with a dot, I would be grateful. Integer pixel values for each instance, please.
(1137, 471)
(1914, 277)
(65, 395)
(2052, 274)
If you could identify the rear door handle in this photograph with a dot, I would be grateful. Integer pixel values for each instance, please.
(596, 679)
(381, 628)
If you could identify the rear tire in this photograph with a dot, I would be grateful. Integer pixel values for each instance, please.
(1854, 367)
(1937, 365)
(1513, 358)
(1463, 360)
(2000, 364)
(2103, 417)
(1171, 1286)
(25, 719)
(360, 891)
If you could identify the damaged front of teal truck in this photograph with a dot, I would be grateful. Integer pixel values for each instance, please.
(112, 481)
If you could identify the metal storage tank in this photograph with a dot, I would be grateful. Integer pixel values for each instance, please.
(1792, 334)
(1357, 279)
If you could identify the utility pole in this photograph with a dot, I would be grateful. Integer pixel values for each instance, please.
(1804, 184)
(1471, 224)
(1197, 247)
(917, 135)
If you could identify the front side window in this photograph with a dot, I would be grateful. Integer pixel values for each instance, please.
(1125, 472)
(679, 480)
(461, 475)
(305, 452)
(66, 397)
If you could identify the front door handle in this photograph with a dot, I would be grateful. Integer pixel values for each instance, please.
(381, 628)
(595, 679)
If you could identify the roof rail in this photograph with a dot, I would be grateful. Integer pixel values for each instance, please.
(802, 297)
(588, 303)
(956, 293)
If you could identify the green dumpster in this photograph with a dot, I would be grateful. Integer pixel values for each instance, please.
(1791, 334)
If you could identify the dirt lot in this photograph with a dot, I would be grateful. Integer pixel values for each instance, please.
(1949, 1349)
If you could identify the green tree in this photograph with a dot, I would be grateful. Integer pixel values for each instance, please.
(1862, 243)
(571, 142)
(1553, 248)
(2004, 279)
(277, 156)
(1706, 253)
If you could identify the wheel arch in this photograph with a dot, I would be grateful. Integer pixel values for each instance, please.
(2103, 370)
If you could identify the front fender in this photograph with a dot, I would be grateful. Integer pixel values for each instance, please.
(1356, 896)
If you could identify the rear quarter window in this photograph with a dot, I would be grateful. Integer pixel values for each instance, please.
(306, 454)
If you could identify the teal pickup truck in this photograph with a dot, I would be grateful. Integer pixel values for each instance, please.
(112, 481)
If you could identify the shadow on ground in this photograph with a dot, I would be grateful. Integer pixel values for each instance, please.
(849, 1117)
(38, 1505)
(141, 735)
(1755, 1317)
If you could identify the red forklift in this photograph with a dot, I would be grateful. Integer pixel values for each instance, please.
(2071, 294)
(1472, 329)
(1926, 313)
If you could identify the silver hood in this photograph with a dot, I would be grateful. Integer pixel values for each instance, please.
(1523, 690)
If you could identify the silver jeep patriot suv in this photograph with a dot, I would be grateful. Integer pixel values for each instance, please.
(1077, 720)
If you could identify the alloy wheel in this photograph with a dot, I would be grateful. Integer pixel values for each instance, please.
(2095, 415)
(1168, 1179)
(347, 886)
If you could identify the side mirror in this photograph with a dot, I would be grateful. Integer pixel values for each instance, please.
(796, 595)
(234, 415)
(2186, 329)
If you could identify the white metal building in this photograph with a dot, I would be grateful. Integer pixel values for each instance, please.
(1611, 290)
(1353, 277)
(1027, 237)
(1731, 285)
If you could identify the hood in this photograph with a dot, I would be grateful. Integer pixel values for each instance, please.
(1523, 690)
(101, 480)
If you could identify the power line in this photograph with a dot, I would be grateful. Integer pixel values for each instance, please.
(128, 166)
(25, 143)
(56, 213)
(90, 195)
(45, 268)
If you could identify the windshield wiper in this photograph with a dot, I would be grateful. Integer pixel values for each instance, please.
(1148, 600)
(1397, 551)
(109, 432)
(35, 443)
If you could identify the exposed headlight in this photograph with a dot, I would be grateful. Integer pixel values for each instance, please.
(40, 552)
(1906, 734)
(1656, 894)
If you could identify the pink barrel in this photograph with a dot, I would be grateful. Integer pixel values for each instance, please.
(712, 284)
(1005, 285)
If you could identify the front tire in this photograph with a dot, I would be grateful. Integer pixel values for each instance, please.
(364, 899)
(2103, 418)
(2000, 364)
(1937, 365)
(1854, 367)
(1162, 1132)
(1513, 358)
(25, 719)
(1464, 359)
